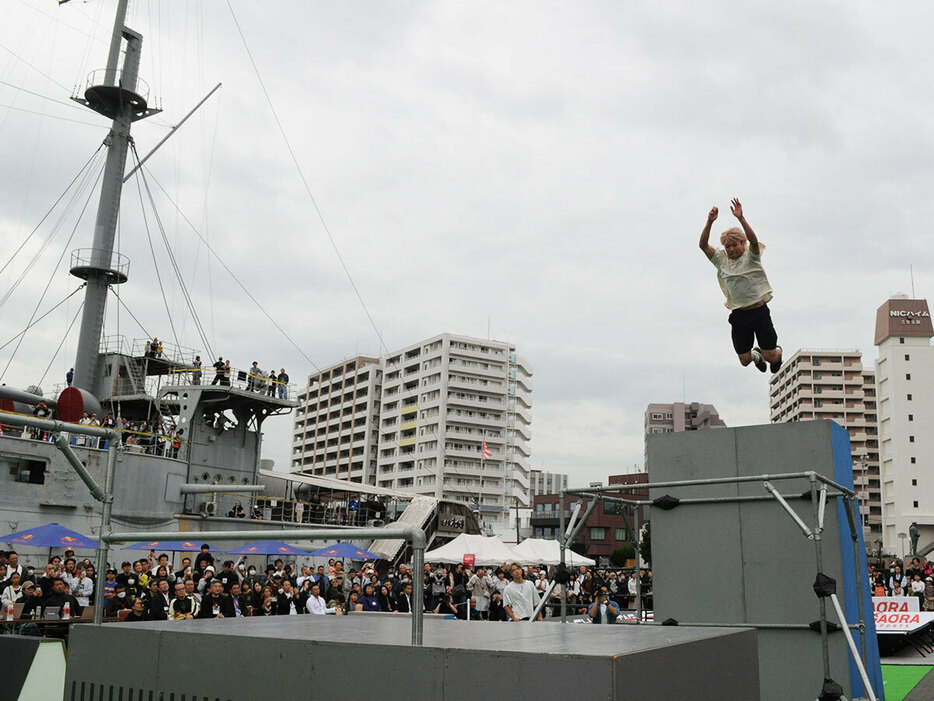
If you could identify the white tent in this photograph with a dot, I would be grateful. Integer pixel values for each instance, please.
(538, 551)
(486, 551)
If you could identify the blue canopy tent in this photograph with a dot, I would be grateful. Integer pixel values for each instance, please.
(50, 536)
(177, 546)
(351, 552)
(266, 547)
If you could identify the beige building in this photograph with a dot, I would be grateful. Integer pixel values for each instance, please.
(905, 371)
(336, 424)
(832, 384)
(448, 417)
(677, 417)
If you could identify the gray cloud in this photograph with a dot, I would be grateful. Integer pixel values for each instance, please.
(542, 166)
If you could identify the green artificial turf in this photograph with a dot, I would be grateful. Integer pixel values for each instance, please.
(900, 679)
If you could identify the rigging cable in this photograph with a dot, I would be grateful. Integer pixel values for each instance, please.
(46, 215)
(233, 275)
(59, 349)
(73, 202)
(178, 272)
(155, 263)
(78, 289)
(51, 277)
(301, 175)
(132, 316)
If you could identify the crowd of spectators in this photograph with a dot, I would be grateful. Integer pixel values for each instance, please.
(151, 588)
(152, 437)
(912, 578)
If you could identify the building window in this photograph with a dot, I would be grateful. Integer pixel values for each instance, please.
(914, 483)
(657, 417)
(914, 504)
(620, 534)
(913, 461)
(907, 357)
(911, 439)
(597, 533)
(909, 397)
(901, 340)
(907, 375)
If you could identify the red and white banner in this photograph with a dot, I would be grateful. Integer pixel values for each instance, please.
(899, 614)
(469, 559)
(487, 453)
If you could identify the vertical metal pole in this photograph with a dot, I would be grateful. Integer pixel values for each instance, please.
(562, 541)
(637, 535)
(418, 592)
(854, 535)
(103, 546)
(819, 557)
(852, 645)
(116, 40)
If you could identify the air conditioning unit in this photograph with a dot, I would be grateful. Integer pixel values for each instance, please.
(208, 508)
(375, 523)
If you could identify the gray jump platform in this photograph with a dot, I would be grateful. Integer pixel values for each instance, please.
(337, 657)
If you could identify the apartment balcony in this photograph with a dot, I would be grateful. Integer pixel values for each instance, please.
(408, 426)
(409, 410)
(475, 402)
(466, 418)
(488, 357)
(406, 442)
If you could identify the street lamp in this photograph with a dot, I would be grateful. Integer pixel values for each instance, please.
(902, 537)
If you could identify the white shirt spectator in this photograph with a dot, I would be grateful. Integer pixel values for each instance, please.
(317, 606)
(82, 589)
(521, 598)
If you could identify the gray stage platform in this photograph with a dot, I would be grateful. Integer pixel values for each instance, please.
(340, 657)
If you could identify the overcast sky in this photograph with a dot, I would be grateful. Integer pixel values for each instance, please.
(541, 169)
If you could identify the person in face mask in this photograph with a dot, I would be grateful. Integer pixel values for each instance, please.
(117, 602)
(249, 580)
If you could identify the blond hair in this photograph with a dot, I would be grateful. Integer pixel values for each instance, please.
(734, 234)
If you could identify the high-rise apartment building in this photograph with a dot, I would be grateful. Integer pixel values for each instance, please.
(905, 376)
(336, 423)
(832, 384)
(541, 482)
(677, 417)
(446, 398)
(448, 417)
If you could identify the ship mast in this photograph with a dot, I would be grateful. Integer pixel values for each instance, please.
(114, 93)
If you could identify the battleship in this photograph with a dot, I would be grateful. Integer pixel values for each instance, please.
(190, 449)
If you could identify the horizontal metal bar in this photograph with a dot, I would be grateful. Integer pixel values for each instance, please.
(765, 626)
(54, 426)
(710, 481)
(416, 535)
(220, 488)
(760, 497)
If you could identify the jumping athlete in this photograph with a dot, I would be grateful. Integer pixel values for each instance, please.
(747, 290)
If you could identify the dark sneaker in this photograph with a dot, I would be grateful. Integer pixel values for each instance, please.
(758, 361)
(776, 365)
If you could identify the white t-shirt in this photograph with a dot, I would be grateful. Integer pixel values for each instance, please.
(742, 279)
(317, 606)
(521, 598)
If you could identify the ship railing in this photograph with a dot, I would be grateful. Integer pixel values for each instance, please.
(163, 350)
(261, 383)
(99, 77)
(115, 343)
(267, 508)
(164, 444)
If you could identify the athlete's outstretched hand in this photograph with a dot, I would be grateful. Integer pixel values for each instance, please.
(712, 215)
(736, 208)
